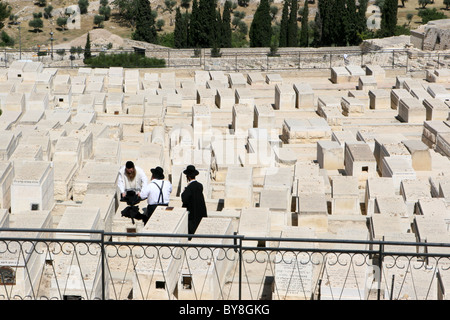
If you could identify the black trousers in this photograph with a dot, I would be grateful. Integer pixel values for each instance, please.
(150, 209)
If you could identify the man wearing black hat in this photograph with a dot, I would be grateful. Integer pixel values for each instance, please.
(157, 192)
(131, 178)
(193, 200)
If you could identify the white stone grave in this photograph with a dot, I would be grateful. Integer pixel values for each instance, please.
(32, 186)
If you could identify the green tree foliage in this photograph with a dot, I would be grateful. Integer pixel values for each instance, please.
(447, 4)
(226, 25)
(292, 28)
(36, 23)
(340, 22)
(6, 40)
(431, 14)
(282, 39)
(304, 33)
(61, 22)
(145, 23)
(126, 60)
(98, 20)
(261, 28)
(87, 48)
(194, 25)
(180, 31)
(388, 18)
(5, 12)
(126, 10)
(83, 4)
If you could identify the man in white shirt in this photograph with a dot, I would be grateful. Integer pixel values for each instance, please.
(131, 178)
(157, 192)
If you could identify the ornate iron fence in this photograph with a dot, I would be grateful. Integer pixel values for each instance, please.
(94, 265)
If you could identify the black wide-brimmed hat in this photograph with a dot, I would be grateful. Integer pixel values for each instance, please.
(158, 173)
(191, 171)
(129, 164)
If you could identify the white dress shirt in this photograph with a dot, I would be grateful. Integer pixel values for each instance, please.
(139, 182)
(152, 192)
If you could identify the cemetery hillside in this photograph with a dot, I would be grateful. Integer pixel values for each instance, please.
(317, 131)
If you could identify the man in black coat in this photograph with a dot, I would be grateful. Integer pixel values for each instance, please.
(193, 200)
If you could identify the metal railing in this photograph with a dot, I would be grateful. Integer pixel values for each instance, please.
(249, 58)
(51, 264)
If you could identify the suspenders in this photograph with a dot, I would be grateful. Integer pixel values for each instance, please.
(161, 197)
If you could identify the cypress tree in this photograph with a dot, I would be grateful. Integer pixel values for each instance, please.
(362, 22)
(282, 41)
(226, 25)
(388, 18)
(351, 23)
(317, 30)
(261, 27)
(304, 34)
(179, 33)
(292, 32)
(339, 32)
(145, 23)
(87, 48)
(194, 26)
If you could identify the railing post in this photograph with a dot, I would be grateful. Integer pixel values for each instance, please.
(240, 268)
(102, 247)
(380, 266)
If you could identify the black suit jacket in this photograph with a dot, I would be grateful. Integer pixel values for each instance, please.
(194, 201)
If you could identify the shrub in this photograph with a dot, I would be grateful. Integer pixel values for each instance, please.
(430, 14)
(126, 60)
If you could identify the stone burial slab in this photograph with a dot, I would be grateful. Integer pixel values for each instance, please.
(340, 75)
(79, 276)
(397, 95)
(68, 149)
(345, 195)
(376, 71)
(296, 273)
(436, 109)
(263, 116)
(443, 144)
(6, 178)
(398, 169)
(312, 211)
(330, 155)
(377, 187)
(359, 161)
(355, 72)
(236, 80)
(95, 174)
(438, 91)
(32, 186)
(366, 83)
(383, 225)
(392, 205)
(225, 98)
(24, 260)
(285, 97)
(352, 106)
(420, 155)
(411, 110)
(254, 222)
(204, 276)
(244, 96)
(242, 118)
(107, 150)
(304, 95)
(305, 130)
(274, 78)
(255, 79)
(379, 99)
(412, 191)
(157, 273)
(239, 187)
